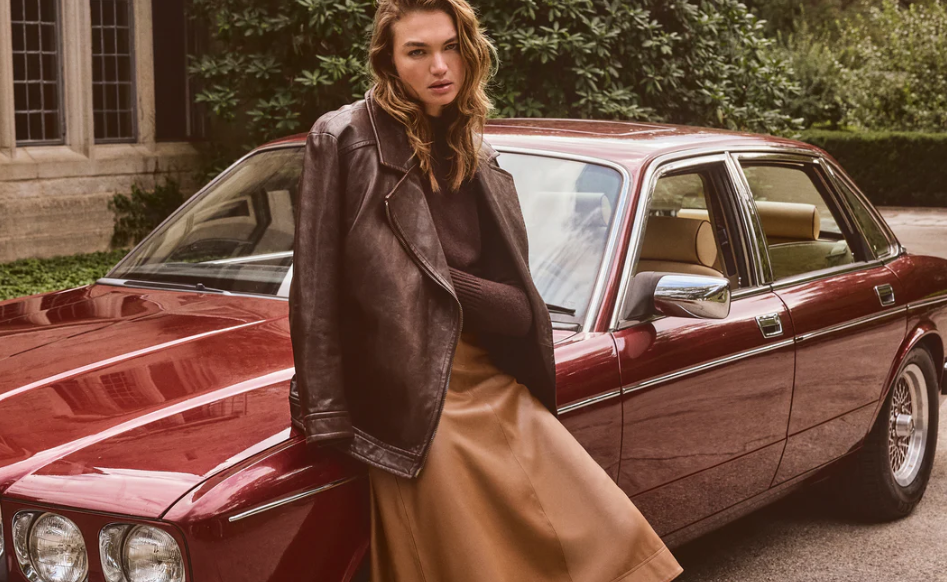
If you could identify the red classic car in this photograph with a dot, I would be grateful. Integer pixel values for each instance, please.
(732, 320)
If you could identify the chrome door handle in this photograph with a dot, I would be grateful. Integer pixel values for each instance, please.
(885, 294)
(770, 324)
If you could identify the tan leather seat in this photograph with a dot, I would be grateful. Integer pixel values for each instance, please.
(679, 245)
(782, 221)
(789, 221)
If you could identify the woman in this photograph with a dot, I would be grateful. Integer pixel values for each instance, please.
(422, 346)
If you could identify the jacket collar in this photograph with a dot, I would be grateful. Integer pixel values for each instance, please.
(394, 149)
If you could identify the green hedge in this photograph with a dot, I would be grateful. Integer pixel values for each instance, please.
(31, 276)
(891, 168)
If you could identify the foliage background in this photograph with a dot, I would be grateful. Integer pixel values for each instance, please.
(29, 276)
(876, 66)
(275, 66)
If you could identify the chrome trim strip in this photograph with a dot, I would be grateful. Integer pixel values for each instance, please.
(752, 223)
(121, 283)
(654, 170)
(927, 302)
(851, 323)
(706, 366)
(825, 273)
(286, 500)
(840, 177)
(803, 157)
(619, 215)
(589, 401)
(251, 258)
(750, 292)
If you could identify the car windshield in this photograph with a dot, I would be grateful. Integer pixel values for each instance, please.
(237, 234)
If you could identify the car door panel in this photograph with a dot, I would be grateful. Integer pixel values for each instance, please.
(700, 395)
(686, 501)
(845, 343)
(824, 443)
(587, 380)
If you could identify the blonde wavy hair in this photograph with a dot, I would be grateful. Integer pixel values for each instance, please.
(472, 105)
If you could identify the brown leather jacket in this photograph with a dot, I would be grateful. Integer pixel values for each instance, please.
(374, 316)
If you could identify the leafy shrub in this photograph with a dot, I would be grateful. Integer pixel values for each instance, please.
(31, 276)
(891, 168)
(138, 214)
(896, 66)
(823, 98)
(883, 68)
(275, 66)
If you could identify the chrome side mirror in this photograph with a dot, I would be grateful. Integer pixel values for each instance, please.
(677, 295)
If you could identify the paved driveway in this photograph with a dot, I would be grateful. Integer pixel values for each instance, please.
(801, 538)
(922, 230)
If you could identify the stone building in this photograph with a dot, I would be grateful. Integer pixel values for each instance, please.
(94, 97)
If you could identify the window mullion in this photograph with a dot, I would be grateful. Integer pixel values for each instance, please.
(7, 124)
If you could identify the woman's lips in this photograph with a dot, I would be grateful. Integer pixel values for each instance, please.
(441, 88)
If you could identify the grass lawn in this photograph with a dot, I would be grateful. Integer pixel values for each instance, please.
(30, 276)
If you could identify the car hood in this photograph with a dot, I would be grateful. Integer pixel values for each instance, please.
(121, 400)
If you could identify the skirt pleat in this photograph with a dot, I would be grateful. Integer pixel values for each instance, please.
(507, 494)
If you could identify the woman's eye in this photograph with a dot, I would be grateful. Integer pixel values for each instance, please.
(453, 46)
(416, 53)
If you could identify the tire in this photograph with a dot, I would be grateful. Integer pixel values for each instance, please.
(877, 484)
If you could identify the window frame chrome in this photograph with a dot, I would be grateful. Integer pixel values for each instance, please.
(839, 179)
(619, 217)
(817, 160)
(654, 169)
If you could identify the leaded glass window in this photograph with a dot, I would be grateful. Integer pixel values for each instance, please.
(113, 88)
(37, 71)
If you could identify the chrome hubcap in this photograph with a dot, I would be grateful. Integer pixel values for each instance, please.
(907, 425)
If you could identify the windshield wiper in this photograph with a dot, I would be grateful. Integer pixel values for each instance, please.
(559, 309)
(199, 287)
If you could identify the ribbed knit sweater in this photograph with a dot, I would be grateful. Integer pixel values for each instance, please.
(485, 283)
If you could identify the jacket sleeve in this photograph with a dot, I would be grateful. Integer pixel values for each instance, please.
(314, 297)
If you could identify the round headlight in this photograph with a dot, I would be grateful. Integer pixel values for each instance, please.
(110, 551)
(151, 555)
(57, 549)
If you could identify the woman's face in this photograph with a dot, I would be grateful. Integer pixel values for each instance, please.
(427, 58)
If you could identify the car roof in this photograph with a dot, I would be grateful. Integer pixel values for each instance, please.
(629, 143)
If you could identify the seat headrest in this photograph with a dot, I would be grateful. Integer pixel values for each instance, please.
(683, 240)
(791, 220)
(698, 213)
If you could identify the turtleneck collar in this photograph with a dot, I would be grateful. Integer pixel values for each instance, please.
(440, 123)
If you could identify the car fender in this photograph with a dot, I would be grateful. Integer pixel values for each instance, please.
(924, 332)
(291, 512)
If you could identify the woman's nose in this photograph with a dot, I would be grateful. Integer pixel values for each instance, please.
(439, 65)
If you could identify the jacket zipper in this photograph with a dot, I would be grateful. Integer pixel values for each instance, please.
(455, 340)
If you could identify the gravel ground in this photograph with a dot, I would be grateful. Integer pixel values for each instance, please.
(802, 538)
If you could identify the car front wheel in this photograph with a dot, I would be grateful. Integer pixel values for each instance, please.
(886, 479)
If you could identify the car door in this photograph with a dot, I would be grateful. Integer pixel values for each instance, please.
(705, 402)
(847, 317)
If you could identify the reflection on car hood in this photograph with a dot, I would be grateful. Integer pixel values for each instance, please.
(121, 400)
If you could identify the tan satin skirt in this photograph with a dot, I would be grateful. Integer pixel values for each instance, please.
(507, 495)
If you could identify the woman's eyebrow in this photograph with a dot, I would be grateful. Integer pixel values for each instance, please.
(411, 43)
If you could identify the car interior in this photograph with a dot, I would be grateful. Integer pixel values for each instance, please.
(688, 230)
(803, 233)
(683, 235)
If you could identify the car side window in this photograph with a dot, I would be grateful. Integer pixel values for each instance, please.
(799, 220)
(687, 230)
(875, 237)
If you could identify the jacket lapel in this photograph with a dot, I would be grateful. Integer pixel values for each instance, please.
(499, 195)
(407, 209)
